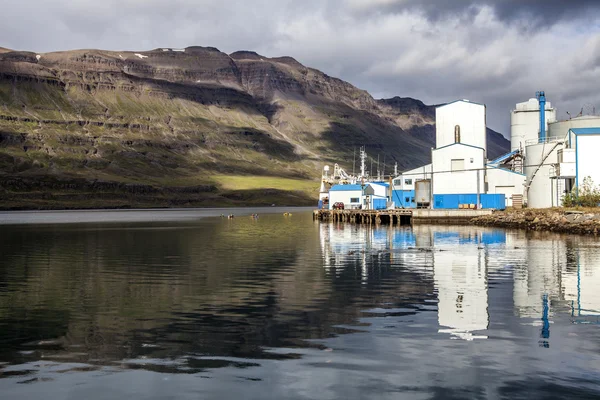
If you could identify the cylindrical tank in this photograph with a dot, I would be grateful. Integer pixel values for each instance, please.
(525, 123)
(423, 192)
(541, 190)
(560, 129)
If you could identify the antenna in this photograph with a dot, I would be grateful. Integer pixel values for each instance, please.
(363, 159)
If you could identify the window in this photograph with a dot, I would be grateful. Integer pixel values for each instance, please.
(354, 200)
(458, 165)
(407, 199)
(408, 181)
(397, 182)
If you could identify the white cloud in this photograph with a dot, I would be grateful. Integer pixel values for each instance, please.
(389, 47)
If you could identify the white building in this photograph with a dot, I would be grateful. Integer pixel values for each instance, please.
(370, 196)
(349, 195)
(460, 172)
(525, 123)
(458, 168)
(461, 121)
(553, 164)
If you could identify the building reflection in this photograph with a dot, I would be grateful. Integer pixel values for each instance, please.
(454, 258)
(563, 269)
(547, 270)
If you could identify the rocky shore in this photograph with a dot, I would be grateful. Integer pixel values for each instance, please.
(578, 221)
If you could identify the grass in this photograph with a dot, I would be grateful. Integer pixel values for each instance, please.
(242, 182)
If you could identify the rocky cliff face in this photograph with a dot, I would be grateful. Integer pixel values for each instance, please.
(177, 126)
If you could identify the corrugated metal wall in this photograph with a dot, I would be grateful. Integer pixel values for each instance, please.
(404, 198)
(452, 201)
(379, 204)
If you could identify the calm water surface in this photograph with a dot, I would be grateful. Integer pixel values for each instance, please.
(184, 304)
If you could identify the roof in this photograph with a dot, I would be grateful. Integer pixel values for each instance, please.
(585, 131)
(460, 101)
(385, 184)
(462, 144)
(345, 188)
(505, 157)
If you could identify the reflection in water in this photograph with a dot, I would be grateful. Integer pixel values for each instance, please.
(290, 308)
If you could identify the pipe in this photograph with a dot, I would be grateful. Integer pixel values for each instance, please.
(542, 99)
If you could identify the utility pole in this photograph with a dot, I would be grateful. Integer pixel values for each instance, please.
(354, 160)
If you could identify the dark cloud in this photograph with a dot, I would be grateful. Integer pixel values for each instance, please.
(533, 13)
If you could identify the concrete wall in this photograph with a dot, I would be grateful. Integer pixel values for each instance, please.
(506, 182)
(469, 116)
(465, 181)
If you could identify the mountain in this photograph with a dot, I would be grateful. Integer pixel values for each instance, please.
(189, 127)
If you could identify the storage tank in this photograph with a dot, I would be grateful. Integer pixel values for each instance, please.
(560, 129)
(541, 189)
(423, 193)
(525, 123)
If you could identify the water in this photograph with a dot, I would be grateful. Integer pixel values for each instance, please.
(185, 304)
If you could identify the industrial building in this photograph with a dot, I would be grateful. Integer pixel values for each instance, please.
(459, 176)
(548, 159)
(368, 196)
(557, 155)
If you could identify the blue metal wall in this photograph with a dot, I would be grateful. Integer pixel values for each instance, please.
(451, 201)
(399, 197)
(379, 204)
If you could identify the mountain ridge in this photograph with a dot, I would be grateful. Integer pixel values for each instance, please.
(168, 119)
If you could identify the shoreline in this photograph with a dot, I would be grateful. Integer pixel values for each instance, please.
(576, 221)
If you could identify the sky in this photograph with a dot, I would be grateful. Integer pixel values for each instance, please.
(497, 52)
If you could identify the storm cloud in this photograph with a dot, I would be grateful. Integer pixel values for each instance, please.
(498, 52)
(538, 13)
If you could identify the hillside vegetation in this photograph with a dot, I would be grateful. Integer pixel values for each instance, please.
(191, 127)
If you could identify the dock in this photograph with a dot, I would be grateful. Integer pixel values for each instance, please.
(401, 216)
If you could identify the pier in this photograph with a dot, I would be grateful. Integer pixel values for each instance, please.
(399, 216)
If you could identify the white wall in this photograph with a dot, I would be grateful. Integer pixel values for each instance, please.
(462, 182)
(560, 129)
(588, 147)
(525, 123)
(506, 182)
(344, 197)
(469, 116)
(542, 191)
(414, 175)
(380, 190)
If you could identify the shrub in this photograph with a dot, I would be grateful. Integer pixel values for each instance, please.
(586, 196)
